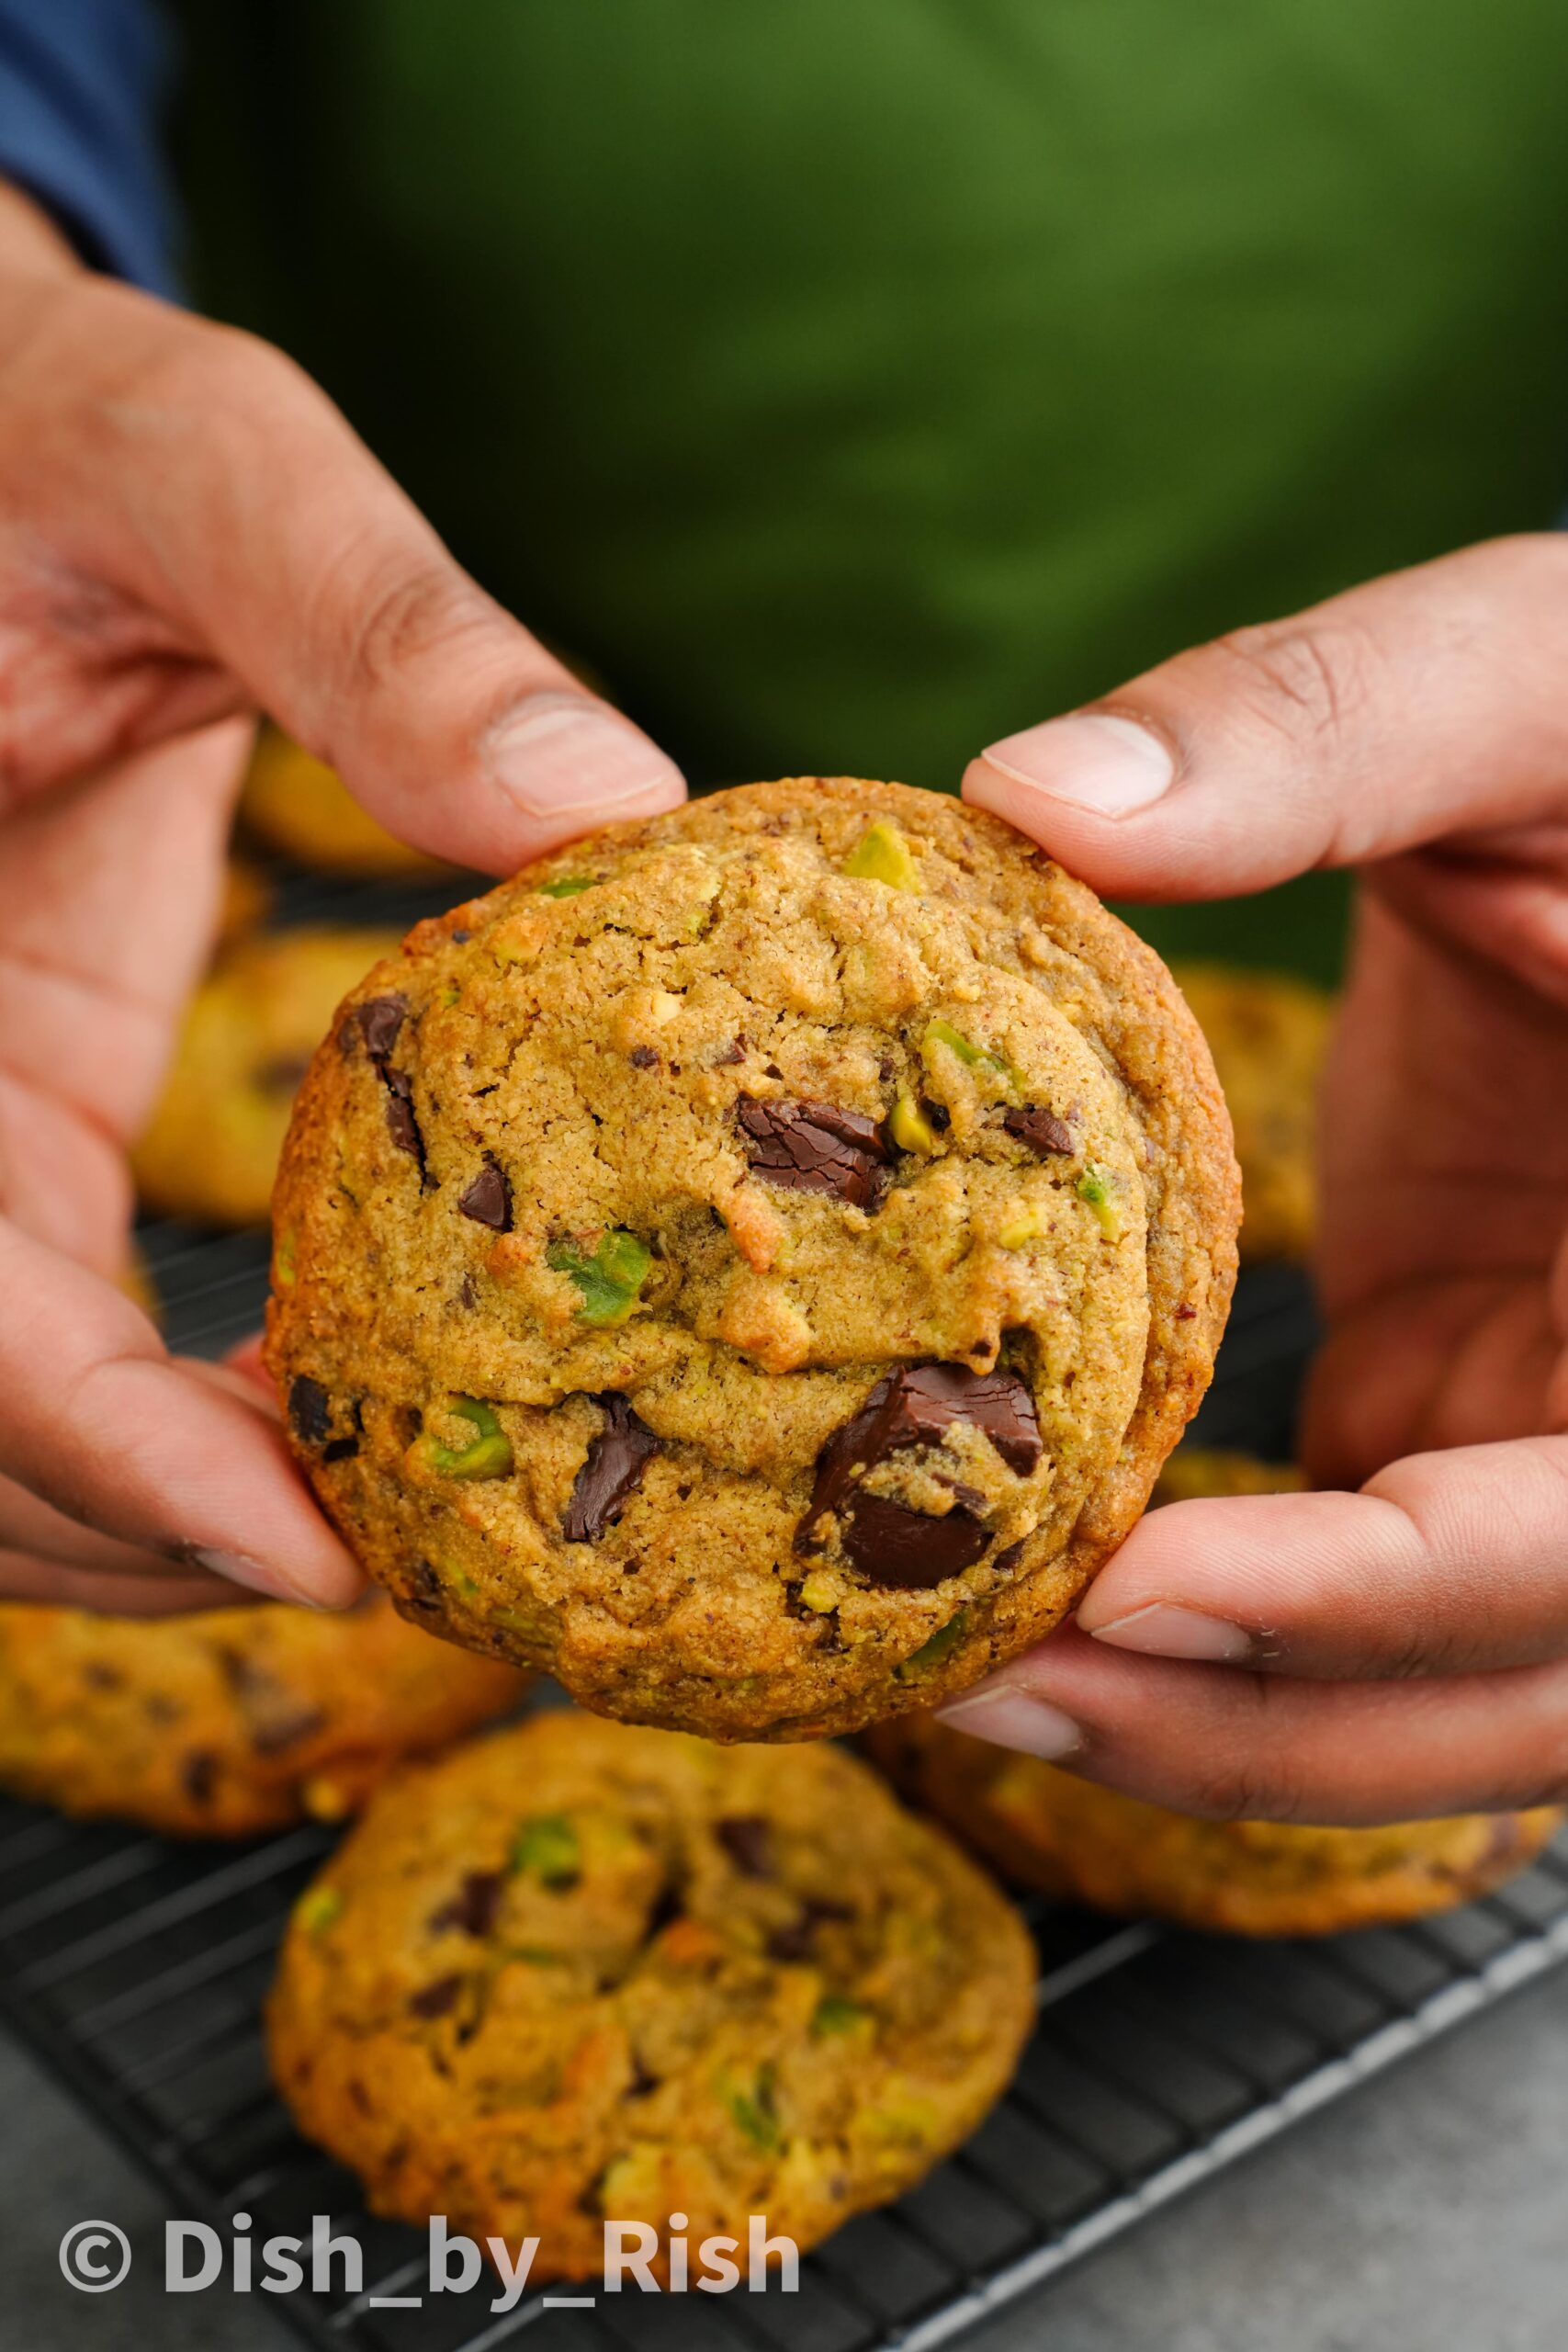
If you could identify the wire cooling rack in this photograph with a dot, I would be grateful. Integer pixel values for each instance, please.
(135, 1968)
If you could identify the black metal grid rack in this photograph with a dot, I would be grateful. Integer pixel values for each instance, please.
(135, 1968)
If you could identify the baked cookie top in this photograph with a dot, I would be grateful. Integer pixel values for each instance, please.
(211, 1148)
(229, 1721)
(576, 1972)
(762, 1256)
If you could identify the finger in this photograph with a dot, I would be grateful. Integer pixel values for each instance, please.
(54, 1583)
(1235, 1745)
(30, 1528)
(248, 514)
(1425, 701)
(1444, 1564)
(107, 1429)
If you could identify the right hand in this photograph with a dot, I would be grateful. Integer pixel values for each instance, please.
(189, 531)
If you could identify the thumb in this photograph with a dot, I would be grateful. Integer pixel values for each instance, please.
(1424, 703)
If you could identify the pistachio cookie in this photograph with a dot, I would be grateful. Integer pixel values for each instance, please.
(1269, 1035)
(1045, 1828)
(294, 802)
(760, 1257)
(576, 1972)
(211, 1150)
(229, 1721)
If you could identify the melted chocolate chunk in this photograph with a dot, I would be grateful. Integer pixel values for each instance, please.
(1005, 1562)
(1041, 1130)
(310, 1410)
(916, 1406)
(488, 1199)
(437, 1999)
(611, 1471)
(340, 1449)
(643, 1058)
(199, 1774)
(379, 1022)
(734, 1052)
(744, 1837)
(814, 1147)
(903, 1550)
(286, 1729)
(401, 1123)
(475, 1906)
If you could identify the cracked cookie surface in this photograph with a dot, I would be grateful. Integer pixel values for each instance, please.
(576, 1970)
(229, 1721)
(761, 1255)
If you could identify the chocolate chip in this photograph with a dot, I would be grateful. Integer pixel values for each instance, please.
(488, 1199)
(475, 1906)
(669, 1907)
(199, 1774)
(1039, 1129)
(459, 938)
(401, 1123)
(1005, 1562)
(611, 1469)
(99, 1677)
(916, 1406)
(437, 1999)
(745, 1838)
(905, 1551)
(310, 1410)
(643, 1058)
(286, 1730)
(466, 1295)
(814, 1147)
(340, 1450)
(935, 1114)
(734, 1052)
(379, 1022)
(799, 1940)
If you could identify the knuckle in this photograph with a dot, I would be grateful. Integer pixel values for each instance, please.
(1304, 681)
(403, 619)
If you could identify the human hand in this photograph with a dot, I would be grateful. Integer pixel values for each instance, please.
(1398, 1648)
(188, 530)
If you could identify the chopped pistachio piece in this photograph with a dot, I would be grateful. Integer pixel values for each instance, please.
(882, 855)
(977, 1058)
(909, 1127)
(820, 1591)
(936, 1647)
(836, 2013)
(317, 1908)
(566, 885)
(1097, 1189)
(751, 2105)
(489, 1455)
(610, 1281)
(1019, 1230)
(547, 1845)
(283, 1250)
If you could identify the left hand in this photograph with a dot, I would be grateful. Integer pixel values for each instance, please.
(1397, 1648)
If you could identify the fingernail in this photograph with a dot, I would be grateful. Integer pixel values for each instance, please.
(237, 1567)
(1111, 765)
(1012, 1719)
(562, 754)
(1163, 1631)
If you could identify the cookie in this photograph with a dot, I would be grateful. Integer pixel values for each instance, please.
(229, 1722)
(294, 802)
(1269, 1035)
(211, 1148)
(576, 1972)
(764, 1254)
(1047, 1829)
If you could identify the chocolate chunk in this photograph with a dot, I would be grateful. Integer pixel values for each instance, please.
(475, 1906)
(814, 1147)
(489, 1199)
(199, 1774)
(401, 1123)
(437, 1999)
(379, 1022)
(459, 938)
(915, 1406)
(1005, 1562)
(310, 1410)
(643, 1058)
(935, 1114)
(340, 1450)
(744, 1837)
(669, 1907)
(286, 1730)
(904, 1551)
(611, 1469)
(1039, 1129)
(99, 1677)
(734, 1052)
(799, 1940)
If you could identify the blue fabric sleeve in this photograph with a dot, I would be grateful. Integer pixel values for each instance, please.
(82, 85)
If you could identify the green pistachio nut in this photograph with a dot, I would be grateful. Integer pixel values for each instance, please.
(909, 1127)
(937, 1646)
(836, 2013)
(979, 1058)
(546, 1848)
(566, 885)
(489, 1455)
(882, 855)
(1097, 1189)
(317, 1908)
(750, 2105)
(611, 1280)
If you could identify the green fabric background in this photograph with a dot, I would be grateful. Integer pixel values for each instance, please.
(853, 381)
